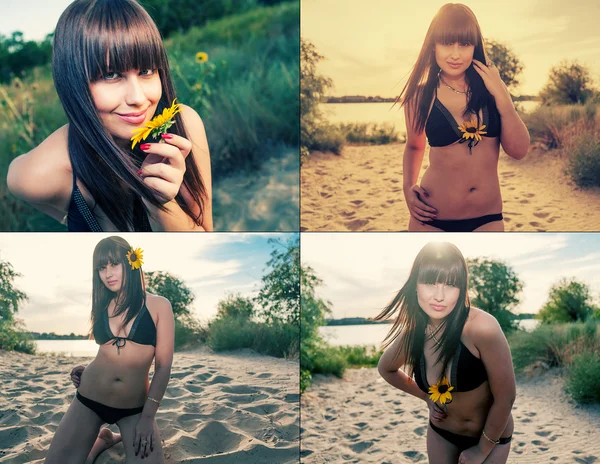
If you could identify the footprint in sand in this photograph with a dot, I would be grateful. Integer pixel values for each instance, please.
(529, 195)
(531, 414)
(361, 425)
(347, 214)
(541, 215)
(414, 456)
(535, 224)
(543, 433)
(361, 446)
(508, 174)
(506, 219)
(420, 430)
(519, 225)
(356, 224)
(326, 195)
(524, 202)
(586, 459)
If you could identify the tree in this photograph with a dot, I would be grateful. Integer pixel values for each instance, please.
(509, 66)
(314, 311)
(12, 330)
(173, 289)
(279, 298)
(568, 301)
(494, 287)
(236, 307)
(568, 83)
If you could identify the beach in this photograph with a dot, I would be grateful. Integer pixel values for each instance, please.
(237, 407)
(361, 418)
(361, 190)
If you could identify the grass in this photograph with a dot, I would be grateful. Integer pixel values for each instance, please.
(279, 340)
(575, 131)
(370, 133)
(248, 99)
(574, 347)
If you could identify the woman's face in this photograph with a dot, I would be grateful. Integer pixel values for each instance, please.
(459, 54)
(135, 93)
(437, 300)
(111, 276)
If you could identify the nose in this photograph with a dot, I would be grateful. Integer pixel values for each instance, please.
(455, 51)
(135, 95)
(439, 293)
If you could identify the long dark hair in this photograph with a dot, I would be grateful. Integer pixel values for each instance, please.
(90, 36)
(132, 296)
(453, 23)
(436, 263)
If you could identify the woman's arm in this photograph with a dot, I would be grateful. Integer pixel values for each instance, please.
(389, 368)
(163, 355)
(495, 354)
(43, 177)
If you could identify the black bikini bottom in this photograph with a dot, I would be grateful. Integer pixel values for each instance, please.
(464, 225)
(108, 414)
(462, 442)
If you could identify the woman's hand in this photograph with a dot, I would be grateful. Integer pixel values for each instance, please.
(76, 375)
(417, 207)
(472, 455)
(143, 442)
(436, 413)
(492, 80)
(164, 167)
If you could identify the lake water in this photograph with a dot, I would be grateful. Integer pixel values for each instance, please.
(380, 113)
(68, 347)
(373, 334)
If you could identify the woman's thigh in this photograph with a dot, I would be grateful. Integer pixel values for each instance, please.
(439, 450)
(499, 454)
(74, 436)
(127, 428)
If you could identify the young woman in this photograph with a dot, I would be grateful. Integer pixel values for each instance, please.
(456, 100)
(459, 357)
(133, 328)
(112, 76)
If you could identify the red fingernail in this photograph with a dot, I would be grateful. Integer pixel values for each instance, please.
(145, 146)
(139, 173)
(166, 136)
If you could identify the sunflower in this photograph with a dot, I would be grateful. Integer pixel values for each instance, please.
(441, 391)
(471, 131)
(135, 258)
(157, 126)
(201, 57)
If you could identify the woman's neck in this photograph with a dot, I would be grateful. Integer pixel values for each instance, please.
(456, 82)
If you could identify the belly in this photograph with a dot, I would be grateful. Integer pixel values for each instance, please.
(118, 380)
(463, 186)
(468, 411)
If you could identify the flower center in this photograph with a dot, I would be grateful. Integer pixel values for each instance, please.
(443, 388)
(133, 258)
(471, 130)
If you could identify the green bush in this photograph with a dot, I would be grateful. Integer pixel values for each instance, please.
(232, 333)
(13, 340)
(360, 356)
(369, 133)
(188, 332)
(584, 161)
(328, 360)
(583, 383)
(305, 379)
(326, 137)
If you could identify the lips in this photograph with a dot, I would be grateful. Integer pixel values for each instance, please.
(455, 65)
(438, 307)
(133, 118)
(111, 282)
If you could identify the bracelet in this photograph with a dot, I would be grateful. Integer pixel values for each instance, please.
(160, 402)
(495, 442)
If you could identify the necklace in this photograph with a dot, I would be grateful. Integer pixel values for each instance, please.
(432, 335)
(452, 88)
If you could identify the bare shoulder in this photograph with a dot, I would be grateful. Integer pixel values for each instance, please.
(43, 175)
(194, 127)
(481, 326)
(158, 305)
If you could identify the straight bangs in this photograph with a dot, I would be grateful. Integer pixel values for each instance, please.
(117, 38)
(456, 26)
(432, 273)
(108, 252)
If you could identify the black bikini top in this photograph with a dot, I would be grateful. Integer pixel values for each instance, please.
(442, 129)
(466, 373)
(143, 330)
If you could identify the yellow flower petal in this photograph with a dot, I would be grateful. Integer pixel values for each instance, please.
(201, 57)
(135, 258)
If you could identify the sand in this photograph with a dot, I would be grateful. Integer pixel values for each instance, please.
(218, 408)
(363, 419)
(361, 190)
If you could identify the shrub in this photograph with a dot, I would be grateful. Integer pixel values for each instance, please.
(584, 161)
(188, 332)
(369, 133)
(583, 383)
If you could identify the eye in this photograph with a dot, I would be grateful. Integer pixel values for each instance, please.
(465, 44)
(107, 76)
(150, 72)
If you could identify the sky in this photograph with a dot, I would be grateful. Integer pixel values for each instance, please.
(34, 18)
(362, 272)
(57, 271)
(370, 50)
